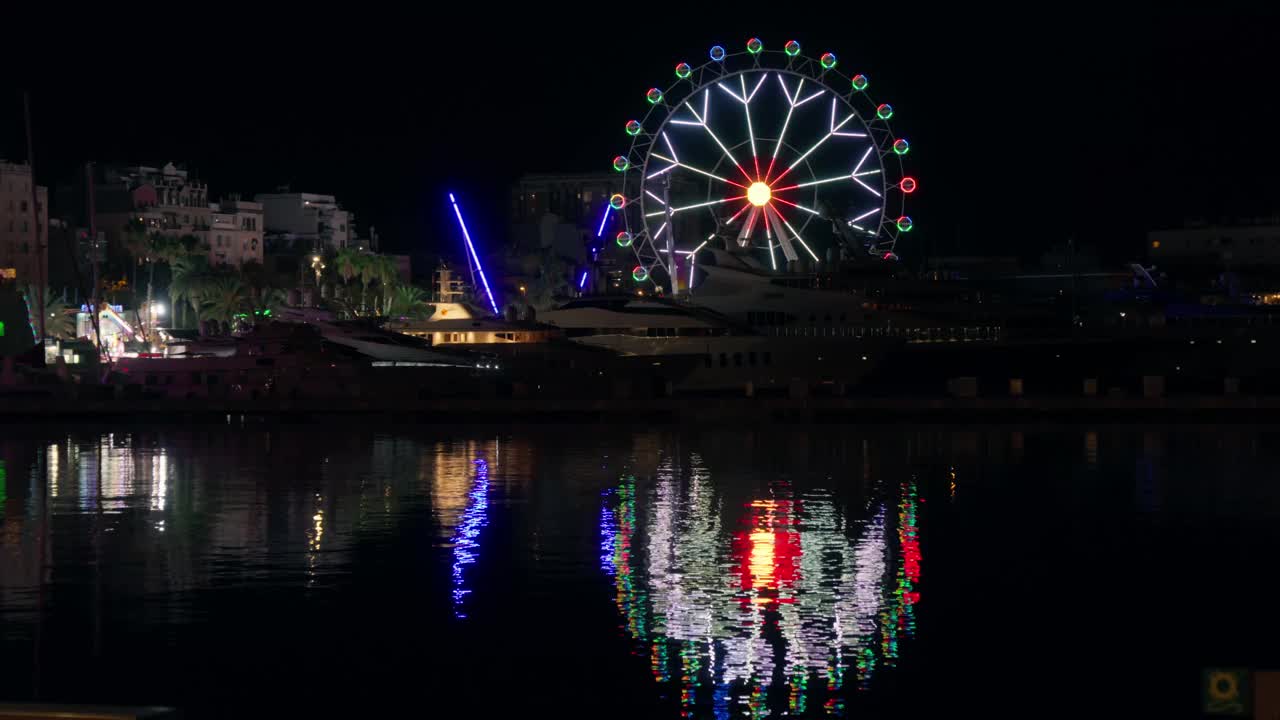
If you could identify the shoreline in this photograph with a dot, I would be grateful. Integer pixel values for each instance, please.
(671, 410)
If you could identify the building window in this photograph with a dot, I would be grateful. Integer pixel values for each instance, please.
(23, 205)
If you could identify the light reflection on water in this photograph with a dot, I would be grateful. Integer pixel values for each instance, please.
(796, 574)
(763, 606)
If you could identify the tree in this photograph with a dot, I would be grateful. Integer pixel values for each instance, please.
(370, 272)
(347, 262)
(166, 249)
(388, 276)
(60, 320)
(135, 240)
(407, 301)
(269, 301)
(191, 274)
(15, 319)
(223, 299)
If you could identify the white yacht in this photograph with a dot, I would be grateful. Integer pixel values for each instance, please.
(747, 334)
(381, 346)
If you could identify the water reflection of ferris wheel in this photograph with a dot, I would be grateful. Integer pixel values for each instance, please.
(735, 599)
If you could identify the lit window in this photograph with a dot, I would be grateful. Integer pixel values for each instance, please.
(1155, 244)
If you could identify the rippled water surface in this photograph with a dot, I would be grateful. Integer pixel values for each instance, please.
(249, 569)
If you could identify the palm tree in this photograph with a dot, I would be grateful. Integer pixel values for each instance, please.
(370, 271)
(191, 274)
(348, 262)
(166, 249)
(407, 301)
(223, 299)
(60, 319)
(135, 240)
(388, 278)
(268, 301)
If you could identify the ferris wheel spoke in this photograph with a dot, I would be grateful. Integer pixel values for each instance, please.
(727, 154)
(744, 234)
(746, 109)
(739, 213)
(862, 160)
(704, 122)
(835, 127)
(655, 197)
(670, 147)
(811, 211)
(682, 208)
(870, 189)
(791, 107)
(768, 238)
(803, 244)
(811, 183)
(666, 169)
(864, 216)
(784, 242)
(700, 171)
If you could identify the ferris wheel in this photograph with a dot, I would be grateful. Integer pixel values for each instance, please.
(772, 154)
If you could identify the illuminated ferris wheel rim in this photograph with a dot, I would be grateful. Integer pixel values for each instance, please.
(762, 193)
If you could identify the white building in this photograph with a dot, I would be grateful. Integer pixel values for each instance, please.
(166, 199)
(308, 217)
(235, 232)
(20, 258)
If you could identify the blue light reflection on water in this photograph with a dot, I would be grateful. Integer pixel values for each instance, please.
(466, 539)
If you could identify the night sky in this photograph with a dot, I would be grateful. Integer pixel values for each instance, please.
(1024, 130)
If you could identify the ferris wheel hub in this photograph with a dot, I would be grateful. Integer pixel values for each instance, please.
(758, 194)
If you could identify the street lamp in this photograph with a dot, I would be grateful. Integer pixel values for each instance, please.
(317, 265)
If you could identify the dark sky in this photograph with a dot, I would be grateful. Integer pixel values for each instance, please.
(1024, 128)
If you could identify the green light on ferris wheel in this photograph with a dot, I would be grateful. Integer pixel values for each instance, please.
(624, 239)
(792, 48)
(620, 163)
(904, 224)
(885, 111)
(683, 71)
(860, 82)
(633, 127)
(754, 46)
(639, 274)
(901, 146)
(654, 96)
(828, 60)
